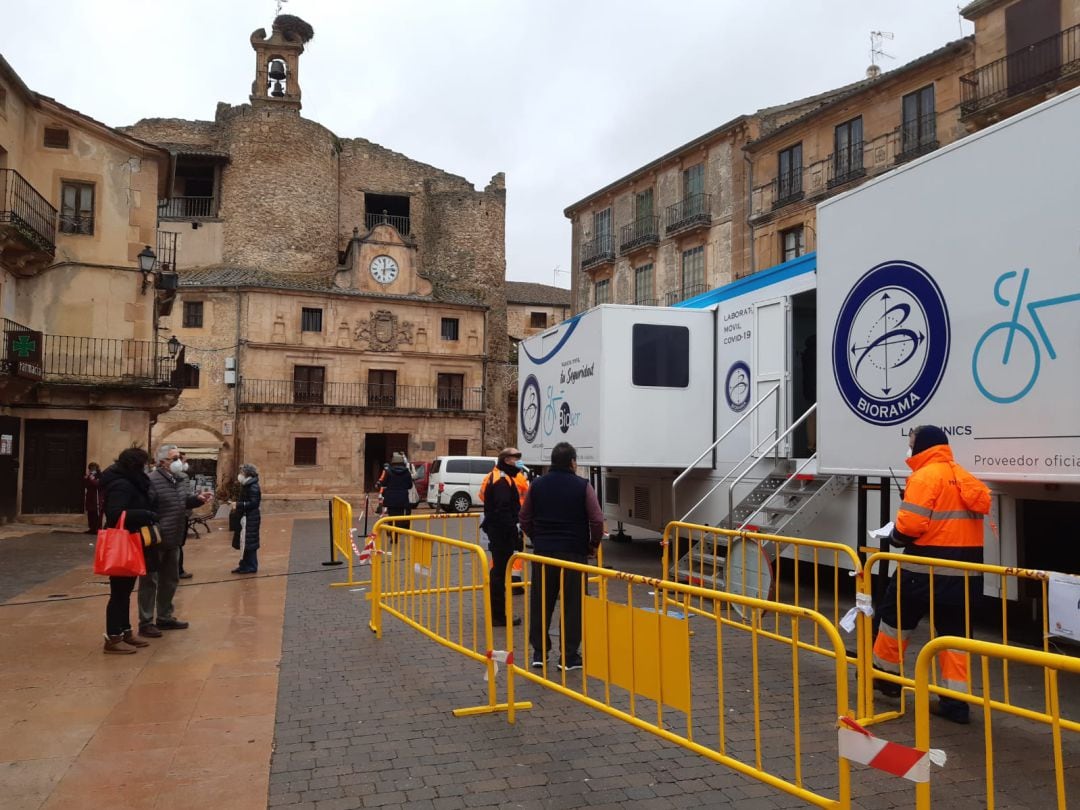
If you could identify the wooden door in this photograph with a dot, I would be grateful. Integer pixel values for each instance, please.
(55, 461)
(1034, 53)
(9, 466)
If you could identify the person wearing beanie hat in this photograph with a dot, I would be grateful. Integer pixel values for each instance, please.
(941, 516)
(396, 484)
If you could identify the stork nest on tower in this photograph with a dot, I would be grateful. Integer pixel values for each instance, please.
(293, 28)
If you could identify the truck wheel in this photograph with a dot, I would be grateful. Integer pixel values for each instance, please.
(460, 502)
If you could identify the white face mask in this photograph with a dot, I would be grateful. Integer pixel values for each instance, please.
(241, 479)
(909, 452)
(176, 467)
(185, 466)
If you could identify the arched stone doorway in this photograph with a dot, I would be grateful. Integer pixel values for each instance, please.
(208, 452)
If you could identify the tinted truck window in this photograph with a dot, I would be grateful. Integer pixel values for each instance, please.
(660, 355)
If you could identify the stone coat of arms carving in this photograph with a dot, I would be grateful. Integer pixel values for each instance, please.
(384, 332)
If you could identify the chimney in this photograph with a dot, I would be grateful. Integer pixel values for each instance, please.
(873, 72)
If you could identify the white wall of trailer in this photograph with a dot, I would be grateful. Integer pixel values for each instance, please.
(949, 294)
(625, 385)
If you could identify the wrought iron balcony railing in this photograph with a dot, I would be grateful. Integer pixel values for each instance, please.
(647, 302)
(360, 395)
(87, 360)
(691, 211)
(846, 165)
(187, 208)
(598, 250)
(84, 360)
(683, 293)
(1045, 62)
(399, 223)
(642, 231)
(25, 211)
(866, 159)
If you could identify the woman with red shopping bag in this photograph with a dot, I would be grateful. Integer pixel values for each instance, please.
(127, 494)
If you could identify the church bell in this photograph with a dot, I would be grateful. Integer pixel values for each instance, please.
(277, 92)
(277, 70)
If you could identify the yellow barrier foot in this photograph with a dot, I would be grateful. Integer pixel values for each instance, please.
(498, 707)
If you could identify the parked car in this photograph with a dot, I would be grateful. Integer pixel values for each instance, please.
(454, 481)
(421, 473)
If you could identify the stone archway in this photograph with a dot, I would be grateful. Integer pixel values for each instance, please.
(209, 452)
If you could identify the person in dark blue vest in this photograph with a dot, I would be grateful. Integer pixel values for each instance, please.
(563, 517)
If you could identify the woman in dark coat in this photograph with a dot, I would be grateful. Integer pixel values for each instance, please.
(248, 507)
(396, 484)
(127, 490)
(93, 497)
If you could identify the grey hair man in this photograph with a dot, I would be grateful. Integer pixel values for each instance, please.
(158, 588)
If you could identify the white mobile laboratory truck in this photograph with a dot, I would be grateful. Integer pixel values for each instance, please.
(945, 292)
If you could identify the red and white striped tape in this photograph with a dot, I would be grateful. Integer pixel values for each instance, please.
(499, 657)
(859, 745)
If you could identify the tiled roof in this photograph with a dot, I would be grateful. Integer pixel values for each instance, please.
(200, 150)
(233, 276)
(854, 89)
(526, 292)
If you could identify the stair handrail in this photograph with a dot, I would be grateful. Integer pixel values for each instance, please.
(779, 439)
(751, 455)
(713, 446)
(777, 491)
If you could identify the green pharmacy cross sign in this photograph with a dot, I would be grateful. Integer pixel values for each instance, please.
(24, 354)
(24, 346)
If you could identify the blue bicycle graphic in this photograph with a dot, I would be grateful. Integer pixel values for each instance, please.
(551, 410)
(1025, 366)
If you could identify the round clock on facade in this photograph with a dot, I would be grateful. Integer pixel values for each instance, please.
(384, 269)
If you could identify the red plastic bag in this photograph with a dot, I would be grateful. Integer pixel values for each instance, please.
(118, 552)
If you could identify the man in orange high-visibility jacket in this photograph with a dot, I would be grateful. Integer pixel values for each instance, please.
(502, 492)
(941, 516)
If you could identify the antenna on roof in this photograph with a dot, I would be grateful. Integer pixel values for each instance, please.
(557, 271)
(876, 51)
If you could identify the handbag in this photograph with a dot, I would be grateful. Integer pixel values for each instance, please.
(118, 552)
(150, 535)
(414, 496)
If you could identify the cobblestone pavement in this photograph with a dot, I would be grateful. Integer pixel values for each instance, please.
(364, 723)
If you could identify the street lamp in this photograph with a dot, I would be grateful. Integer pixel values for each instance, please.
(174, 346)
(147, 260)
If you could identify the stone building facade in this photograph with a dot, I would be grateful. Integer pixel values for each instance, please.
(742, 197)
(351, 297)
(1025, 52)
(674, 227)
(870, 128)
(83, 373)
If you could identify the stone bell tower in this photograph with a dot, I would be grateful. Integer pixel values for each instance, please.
(277, 62)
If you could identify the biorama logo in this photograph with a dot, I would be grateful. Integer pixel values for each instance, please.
(891, 343)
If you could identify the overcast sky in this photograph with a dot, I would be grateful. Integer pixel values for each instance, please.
(562, 95)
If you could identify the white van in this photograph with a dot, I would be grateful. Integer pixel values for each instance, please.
(454, 482)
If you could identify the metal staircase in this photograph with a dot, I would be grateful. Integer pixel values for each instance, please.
(784, 502)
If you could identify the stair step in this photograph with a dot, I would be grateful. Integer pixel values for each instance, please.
(698, 579)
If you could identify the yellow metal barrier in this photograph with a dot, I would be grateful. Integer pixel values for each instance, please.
(935, 569)
(341, 537)
(438, 586)
(818, 589)
(1051, 665)
(642, 665)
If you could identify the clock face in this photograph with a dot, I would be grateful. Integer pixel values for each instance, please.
(384, 269)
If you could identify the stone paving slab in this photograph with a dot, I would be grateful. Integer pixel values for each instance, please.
(363, 723)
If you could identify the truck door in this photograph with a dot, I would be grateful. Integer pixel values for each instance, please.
(770, 369)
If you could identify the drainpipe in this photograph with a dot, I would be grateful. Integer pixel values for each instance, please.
(236, 394)
(750, 207)
(484, 390)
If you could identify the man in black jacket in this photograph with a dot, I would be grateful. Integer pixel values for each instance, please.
(563, 517)
(502, 491)
(158, 587)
